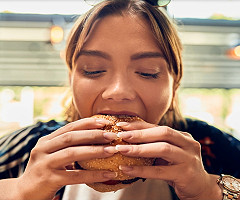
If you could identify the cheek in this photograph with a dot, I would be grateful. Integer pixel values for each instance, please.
(84, 95)
(157, 101)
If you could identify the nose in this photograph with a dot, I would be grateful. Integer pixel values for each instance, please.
(119, 89)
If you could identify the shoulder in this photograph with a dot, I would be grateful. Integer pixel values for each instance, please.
(217, 147)
(207, 134)
(15, 147)
(42, 128)
(198, 125)
(199, 129)
(28, 136)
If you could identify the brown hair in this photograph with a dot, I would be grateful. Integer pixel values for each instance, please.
(163, 29)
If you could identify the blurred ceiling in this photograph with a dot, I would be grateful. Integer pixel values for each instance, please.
(27, 56)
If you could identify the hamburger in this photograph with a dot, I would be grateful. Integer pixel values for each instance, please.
(112, 163)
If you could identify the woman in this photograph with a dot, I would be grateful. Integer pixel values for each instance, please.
(124, 58)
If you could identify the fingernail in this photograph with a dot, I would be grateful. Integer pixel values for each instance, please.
(124, 135)
(125, 168)
(123, 148)
(110, 175)
(110, 136)
(102, 121)
(110, 149)
(121, 124)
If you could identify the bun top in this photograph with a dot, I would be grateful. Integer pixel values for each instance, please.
(113, 162)
(114, 119)
(112, 127)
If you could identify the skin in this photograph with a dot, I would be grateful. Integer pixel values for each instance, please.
(111, 76)
(122, 82)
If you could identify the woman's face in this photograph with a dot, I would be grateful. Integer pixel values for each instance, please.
(121, 70)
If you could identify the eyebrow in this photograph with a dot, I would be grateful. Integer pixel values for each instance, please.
(137, 56)
(95, 53)
(142, 55)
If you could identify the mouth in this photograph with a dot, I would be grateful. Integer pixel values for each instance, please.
(121, 114)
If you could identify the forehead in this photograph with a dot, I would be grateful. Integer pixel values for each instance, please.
(124, 29)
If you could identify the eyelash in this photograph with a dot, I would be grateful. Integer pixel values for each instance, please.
(149, 75)
(95, 74)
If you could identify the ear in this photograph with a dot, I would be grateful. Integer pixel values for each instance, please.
(70, 78)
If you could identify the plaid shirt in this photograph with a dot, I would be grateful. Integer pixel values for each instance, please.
(220, 151)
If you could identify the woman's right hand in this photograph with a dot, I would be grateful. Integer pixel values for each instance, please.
(46, 172)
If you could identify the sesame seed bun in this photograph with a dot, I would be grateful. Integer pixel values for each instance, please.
(112, 163)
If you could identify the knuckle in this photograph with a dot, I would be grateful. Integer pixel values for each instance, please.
(95, 135)
(46, 177)
(167, 132)
(96, 175)
(93, 176)
(42, 139)
(35, 153)
(67, 138)
(164, 129)
(188, 134)
(95, 150)
(136, 150)
(85, 177)
(69, 152)
(158, 171)
(195, 160)
(167, 148)
(196, 146)
(189, 172)
(140, 134)
(77, 176)
(69, 126)
(88, 120)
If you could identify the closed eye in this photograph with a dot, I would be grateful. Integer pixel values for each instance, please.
(149, 75)
(93, 74)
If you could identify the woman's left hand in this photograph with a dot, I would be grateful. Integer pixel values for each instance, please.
(178, 160)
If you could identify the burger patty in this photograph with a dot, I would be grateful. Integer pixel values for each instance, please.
(113, 182)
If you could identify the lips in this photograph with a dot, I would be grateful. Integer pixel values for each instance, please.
(118, 113)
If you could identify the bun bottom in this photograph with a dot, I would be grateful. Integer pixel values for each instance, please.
(101, 187)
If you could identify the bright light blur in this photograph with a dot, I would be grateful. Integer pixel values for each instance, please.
(204, 8)
(177, 8)
(57, 34)
(237, 51)
(44, 6)
(218, 107)
(16, 113)
(22, 106)
(234, 52)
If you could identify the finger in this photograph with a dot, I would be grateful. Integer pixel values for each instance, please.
(186, 134)
(162, 150)
(66, 156)
(167, 173)
(74, 138)
(82, 124)
(156, 134)
(69, 177)
(135, 125)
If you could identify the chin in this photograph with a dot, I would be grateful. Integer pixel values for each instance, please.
(112, 163)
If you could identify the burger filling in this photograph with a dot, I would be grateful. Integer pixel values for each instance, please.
(113, 182)
(128, 181)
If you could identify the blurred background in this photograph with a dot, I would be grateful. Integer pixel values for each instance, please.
(33, 75)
